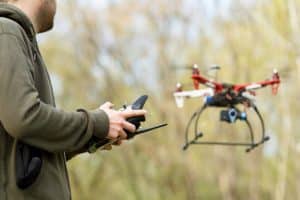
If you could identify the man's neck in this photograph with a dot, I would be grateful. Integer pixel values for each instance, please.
(29, 12)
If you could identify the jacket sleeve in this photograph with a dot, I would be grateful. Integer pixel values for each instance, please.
(26, 118)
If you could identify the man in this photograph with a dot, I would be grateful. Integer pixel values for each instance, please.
(35, 137)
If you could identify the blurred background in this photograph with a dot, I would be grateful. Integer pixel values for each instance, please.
(116, 50)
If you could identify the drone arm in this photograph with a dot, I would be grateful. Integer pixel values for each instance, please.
(181, 96)
(202, 80)
(274, 82)
(254, 86)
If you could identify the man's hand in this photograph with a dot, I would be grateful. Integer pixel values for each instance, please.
(117, 121)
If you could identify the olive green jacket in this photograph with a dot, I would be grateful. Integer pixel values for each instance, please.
(28, 114)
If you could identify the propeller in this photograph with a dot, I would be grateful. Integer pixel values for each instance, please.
(192, 67)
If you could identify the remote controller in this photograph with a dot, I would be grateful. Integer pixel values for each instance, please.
(136, 121)
(138, 104)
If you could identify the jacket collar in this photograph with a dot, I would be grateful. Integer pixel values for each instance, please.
(12, 12)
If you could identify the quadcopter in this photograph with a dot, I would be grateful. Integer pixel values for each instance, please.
(227, 96)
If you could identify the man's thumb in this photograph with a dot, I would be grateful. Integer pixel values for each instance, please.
(107, 105)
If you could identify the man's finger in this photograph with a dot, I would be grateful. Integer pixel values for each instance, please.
(128, 126)
(132, 113)
(122, 135)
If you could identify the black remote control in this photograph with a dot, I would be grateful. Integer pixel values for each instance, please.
(138, 104)
(136, 121)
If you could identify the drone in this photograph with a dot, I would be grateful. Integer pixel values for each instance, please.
(228, 96)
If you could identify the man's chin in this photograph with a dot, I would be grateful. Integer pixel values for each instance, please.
(46, 28)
